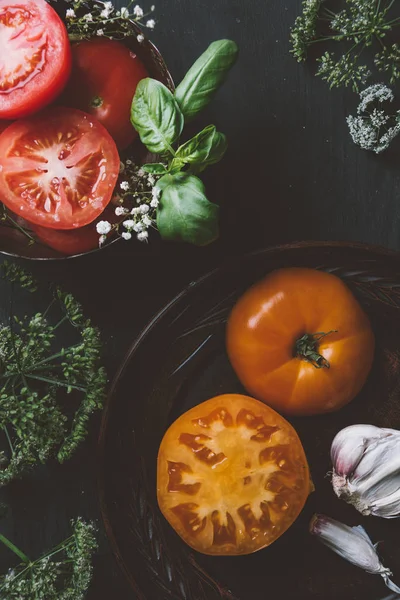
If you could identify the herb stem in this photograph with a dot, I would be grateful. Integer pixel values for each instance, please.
(14, 549)
(8, 439)
(60, 322)
(56, 382)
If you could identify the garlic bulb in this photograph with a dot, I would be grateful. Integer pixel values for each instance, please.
(366, 469)
(353, 544)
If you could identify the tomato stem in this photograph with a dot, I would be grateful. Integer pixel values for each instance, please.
(96, 102)
(306, 348)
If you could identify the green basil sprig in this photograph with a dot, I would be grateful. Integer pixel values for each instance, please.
(184, 212)
(204, 78)
(156, 116)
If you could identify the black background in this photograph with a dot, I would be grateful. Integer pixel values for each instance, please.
(291, 172)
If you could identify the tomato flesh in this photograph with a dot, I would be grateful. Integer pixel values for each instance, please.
(35, 56)
(58, 169)
(232, 475)
(103, 81)
(266, 324)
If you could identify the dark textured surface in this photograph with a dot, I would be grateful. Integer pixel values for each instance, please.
(291, 173)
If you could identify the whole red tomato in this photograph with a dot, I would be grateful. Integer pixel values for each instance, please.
(300, 341)
(104, 77)
(35, 56)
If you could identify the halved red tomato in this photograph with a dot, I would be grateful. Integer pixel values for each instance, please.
(35, 56)
(103, 81)
(58, 169)
(232, 475)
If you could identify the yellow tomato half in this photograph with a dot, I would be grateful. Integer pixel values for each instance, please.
(232, 475)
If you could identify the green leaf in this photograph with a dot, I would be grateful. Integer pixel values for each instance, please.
(156, 116)
(205, 77)
(184, 213)
(155, 168)
(206, 148)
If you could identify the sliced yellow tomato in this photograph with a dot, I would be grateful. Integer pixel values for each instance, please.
(232, 475)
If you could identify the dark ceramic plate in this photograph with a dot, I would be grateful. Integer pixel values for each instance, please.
(178, 361)
(16, 244)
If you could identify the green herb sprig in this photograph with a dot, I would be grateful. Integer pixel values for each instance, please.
(37, 374)
(184, 213)
(361, 24)
(63, 573)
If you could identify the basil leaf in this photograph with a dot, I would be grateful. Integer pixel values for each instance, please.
(197, 148)
(156, 116)
(184, 213)
(205, 76)
(206, 148)
(155, 168)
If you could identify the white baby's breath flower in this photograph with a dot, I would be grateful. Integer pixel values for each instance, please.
(154, 203)
(100, 32)
(138, 11)
(124, 185)
(124, 12)
(138, 227)
(70, 14)
(150, 179)
(126, 235)
(109, 6)
(142, 236)
(150, 23)
(102, 239)
(135, 210)
(146, 221)
(88, 17)
(152, 8)
(103, 227)
(129, 224)
(120, 210)
(144, 209)
(141, 172)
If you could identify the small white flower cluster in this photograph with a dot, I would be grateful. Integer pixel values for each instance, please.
(374, 93)
(136, 203)
(372, 128)
(102, 15)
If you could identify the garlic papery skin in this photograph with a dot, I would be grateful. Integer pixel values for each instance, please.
(353, 544)
(366, 469)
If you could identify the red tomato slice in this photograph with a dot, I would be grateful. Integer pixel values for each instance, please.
(103, 82)
(58, 169)
(35, 56)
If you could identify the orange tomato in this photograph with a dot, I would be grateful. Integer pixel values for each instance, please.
(300, 341)
(232, 475)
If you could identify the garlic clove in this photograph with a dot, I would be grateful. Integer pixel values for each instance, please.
(379, 469)
(350, 443)
(366, 469)
(353, 544)
(385, 505)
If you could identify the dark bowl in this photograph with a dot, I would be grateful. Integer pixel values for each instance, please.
(178, 361)
(16, 244)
